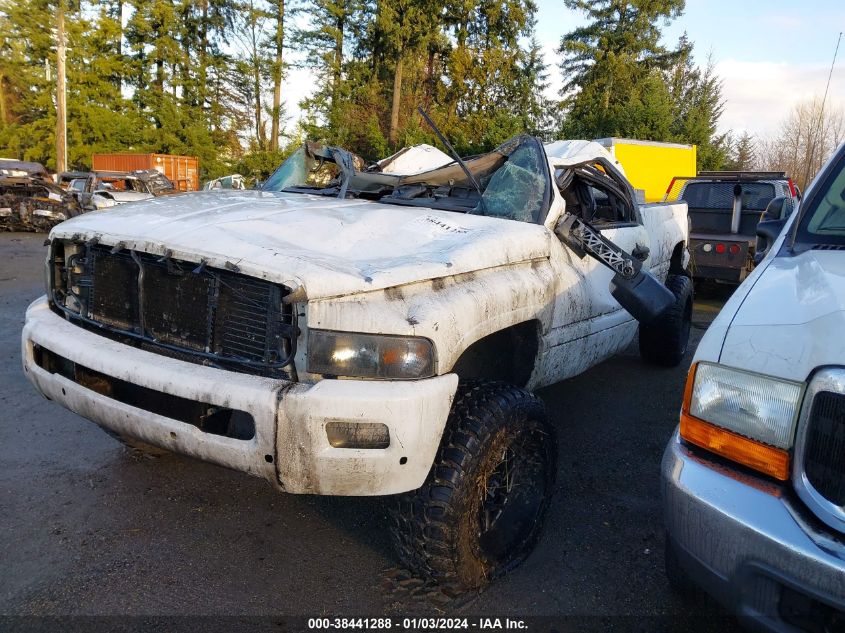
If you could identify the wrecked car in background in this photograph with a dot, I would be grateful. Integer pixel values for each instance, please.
(29, 200)
(65, 178)
(105, 189)
(20, 168)
(233, 181)
(350, 331)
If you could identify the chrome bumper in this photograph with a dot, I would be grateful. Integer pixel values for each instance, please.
(746, 540)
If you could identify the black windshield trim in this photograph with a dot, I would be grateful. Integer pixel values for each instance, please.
(801, 239)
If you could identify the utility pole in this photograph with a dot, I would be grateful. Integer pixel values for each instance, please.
(61, 109)
(275, 128)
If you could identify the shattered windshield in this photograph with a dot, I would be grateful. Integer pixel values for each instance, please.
(122, 184)
(312, 168)
(513, 179)
(159, 183)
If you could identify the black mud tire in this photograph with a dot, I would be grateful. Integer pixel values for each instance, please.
(480, 512)
(137, 446)
(664, 341)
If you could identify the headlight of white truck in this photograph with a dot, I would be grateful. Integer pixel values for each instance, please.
(756, 406)
(351, 354)
(743, 416)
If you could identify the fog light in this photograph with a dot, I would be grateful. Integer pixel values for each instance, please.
(358, 434)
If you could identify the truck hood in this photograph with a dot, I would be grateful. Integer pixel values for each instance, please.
(796, 289)
(792, 319)
(326, 246)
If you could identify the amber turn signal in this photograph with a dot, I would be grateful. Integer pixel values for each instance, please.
(761, 457)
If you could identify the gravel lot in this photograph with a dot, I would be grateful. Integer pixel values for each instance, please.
(90, 528)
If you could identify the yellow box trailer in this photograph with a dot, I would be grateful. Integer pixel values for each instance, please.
(651, 165)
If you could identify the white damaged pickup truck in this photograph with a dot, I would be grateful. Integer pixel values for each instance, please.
(348, 330)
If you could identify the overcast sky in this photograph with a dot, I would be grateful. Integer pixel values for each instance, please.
(769, 54)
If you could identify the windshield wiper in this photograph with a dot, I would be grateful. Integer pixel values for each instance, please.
(317, 191)
(453, 153)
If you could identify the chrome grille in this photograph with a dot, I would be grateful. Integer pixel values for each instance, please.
(824, 454)
(819, 473)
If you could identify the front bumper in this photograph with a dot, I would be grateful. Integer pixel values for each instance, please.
(746, 541)
(290, 447)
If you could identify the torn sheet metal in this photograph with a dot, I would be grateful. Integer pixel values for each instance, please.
(569, 153)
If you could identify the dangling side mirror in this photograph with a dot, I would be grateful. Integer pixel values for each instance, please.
(777, 209)
(771, 224)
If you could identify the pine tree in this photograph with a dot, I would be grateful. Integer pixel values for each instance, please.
(99, 117)
(493, 83)
(743, 155)
(333, 26)
(698, 104)
(612, 67)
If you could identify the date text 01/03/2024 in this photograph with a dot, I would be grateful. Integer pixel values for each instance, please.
(416, 624)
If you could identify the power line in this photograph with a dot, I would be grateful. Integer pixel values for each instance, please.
(821, 114)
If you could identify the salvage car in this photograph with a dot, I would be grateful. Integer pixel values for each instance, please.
(347, 330)
(65, 178)
(31, 202)
(22, 168)
(754, 478)
(232, 181)
(104, 189)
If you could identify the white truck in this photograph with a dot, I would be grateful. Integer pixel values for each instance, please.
(352, 331)
(753, 480)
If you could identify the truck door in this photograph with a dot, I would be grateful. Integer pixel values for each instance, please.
(598, 199)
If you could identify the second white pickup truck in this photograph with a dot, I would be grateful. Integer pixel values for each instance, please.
(353, 331)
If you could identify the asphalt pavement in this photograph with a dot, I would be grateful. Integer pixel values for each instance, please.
(90, 528)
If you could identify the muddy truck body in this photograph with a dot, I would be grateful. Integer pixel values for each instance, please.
(348, 330)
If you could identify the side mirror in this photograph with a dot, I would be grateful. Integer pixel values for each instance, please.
(777, 209)
(767, 232)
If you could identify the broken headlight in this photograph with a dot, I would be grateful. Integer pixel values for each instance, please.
(66, 284)
(369, 355)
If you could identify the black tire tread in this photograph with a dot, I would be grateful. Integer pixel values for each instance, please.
(661, 341)
(424, 522)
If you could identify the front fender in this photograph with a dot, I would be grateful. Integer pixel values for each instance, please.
(454, 312)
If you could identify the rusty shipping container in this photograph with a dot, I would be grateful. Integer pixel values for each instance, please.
(184, 171)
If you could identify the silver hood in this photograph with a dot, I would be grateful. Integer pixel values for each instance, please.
(792, 319)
